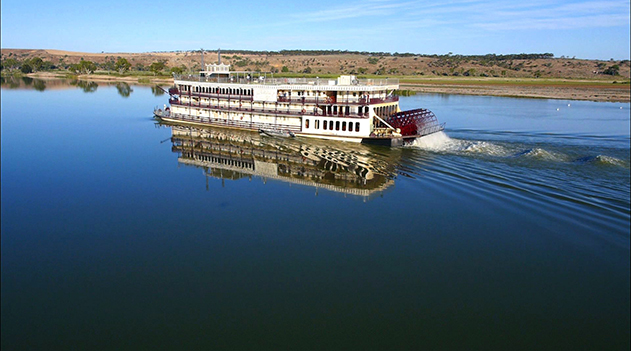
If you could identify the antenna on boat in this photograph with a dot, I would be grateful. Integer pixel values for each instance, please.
(202, 58)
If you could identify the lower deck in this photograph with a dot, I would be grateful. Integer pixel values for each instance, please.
(224, 123)
(323, 126)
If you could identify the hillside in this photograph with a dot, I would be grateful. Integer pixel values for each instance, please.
(334, 63)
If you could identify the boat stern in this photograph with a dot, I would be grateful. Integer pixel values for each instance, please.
(416, 123)
(406, 126)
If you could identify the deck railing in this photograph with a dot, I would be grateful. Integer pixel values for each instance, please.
(300, 99)
(234, 123)
(288, 81)
(337, 101)
(218, 96)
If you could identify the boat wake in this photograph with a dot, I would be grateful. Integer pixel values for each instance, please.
(601, 160)
(543, 155)
(435, 142)
(441, 143)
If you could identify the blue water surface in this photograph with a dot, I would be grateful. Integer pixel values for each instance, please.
(508, 231)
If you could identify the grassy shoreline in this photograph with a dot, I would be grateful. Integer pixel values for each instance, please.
(610, 90)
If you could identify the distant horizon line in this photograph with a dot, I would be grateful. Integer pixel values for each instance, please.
(332, 52)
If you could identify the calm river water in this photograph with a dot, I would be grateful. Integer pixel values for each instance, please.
(508, 231)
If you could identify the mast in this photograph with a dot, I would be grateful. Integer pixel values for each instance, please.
(202, 59)
(219, 56)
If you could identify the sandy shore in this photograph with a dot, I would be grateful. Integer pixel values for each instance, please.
(107, 78)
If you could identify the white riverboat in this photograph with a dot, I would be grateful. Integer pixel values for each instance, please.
(346, 108)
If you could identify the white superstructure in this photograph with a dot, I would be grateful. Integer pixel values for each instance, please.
(346, 108)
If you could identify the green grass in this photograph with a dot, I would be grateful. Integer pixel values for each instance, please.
(511, 81)
(416, 80)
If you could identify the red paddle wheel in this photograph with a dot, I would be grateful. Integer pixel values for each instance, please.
(417, 122)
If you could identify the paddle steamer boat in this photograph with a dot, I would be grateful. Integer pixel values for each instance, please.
(346, 108)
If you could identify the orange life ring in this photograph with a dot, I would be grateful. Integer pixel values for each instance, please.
(303, 110)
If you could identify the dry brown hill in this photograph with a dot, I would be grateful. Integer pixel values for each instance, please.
(351, 63)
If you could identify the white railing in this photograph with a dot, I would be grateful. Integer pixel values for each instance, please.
(289, 81)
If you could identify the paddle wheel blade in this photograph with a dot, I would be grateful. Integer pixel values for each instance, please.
(417, 122)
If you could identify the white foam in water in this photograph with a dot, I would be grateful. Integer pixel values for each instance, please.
(436, 142)
(608, 160)
(484, 147)
(542, 154)
(441, 142)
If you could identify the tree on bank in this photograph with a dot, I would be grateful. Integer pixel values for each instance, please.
(122, 65)
(26, 68)
(10, 64)
(31, 65)
(36, 63)
(83, 67)
(177, 70)
(157, 67)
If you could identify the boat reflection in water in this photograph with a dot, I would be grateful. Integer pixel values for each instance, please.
(230, 155)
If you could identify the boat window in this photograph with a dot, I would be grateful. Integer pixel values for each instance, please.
(343, 126)
(330, 125)
(357, 126)
(324, 125)
(317, 124)
(337, 125)
(307, 123)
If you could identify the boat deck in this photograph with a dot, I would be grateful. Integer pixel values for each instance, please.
(324, 82)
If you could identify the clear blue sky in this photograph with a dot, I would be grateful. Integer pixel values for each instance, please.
(596, 29)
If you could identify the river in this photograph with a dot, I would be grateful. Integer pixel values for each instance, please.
(509, 230)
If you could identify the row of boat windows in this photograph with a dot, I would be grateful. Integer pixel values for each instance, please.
(333, 125)
(248, 92)
(330, 109)
(362, 95)
(211, 90)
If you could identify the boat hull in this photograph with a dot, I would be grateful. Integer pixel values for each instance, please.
(389, 141)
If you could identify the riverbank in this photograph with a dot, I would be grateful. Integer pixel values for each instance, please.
(104, 78)
(589, 90)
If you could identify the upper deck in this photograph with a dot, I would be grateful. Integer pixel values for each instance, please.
(342, 83)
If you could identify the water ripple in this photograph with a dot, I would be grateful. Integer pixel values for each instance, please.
(547, 180)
